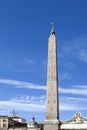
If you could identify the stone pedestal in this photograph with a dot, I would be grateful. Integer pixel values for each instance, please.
(52, 125)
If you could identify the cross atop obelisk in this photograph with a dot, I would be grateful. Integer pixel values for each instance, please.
(52, 104)
(52, 23)
(52, 29)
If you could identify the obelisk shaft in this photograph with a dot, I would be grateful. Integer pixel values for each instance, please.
(52, 104)
(52, 80)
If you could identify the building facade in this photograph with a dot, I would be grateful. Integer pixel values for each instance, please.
(77, 122)
(4, 121)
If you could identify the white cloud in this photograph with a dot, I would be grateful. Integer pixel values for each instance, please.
(30, 99)
(71, 99)
(73, 91)
(80, 86)
(20, 62)
(23, 104)
(29, 107)
(71, 107)
(27, 60)
(64, 76)
(83, 55)
(70, 52)
(20, 84)
(8, 105)
(72, 103)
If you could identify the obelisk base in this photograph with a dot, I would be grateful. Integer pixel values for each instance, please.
(51, 125)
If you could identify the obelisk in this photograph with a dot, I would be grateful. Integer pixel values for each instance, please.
(52, 103)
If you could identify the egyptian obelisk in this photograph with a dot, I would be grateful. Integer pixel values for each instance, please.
(52, 103)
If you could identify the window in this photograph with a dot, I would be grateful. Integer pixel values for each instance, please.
(4, 125)
(4, 120)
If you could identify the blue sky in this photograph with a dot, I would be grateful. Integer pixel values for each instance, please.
(24, 31)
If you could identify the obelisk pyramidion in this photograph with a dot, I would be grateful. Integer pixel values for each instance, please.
(52, 103)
